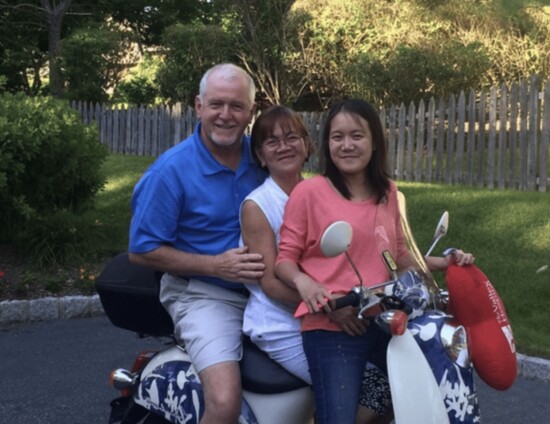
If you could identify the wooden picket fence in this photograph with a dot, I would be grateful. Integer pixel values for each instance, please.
(496, 138)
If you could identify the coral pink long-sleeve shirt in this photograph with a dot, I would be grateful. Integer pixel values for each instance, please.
(313, 205)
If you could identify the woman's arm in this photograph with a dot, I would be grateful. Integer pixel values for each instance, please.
(258, 235)
(458, 256)
(314, 295)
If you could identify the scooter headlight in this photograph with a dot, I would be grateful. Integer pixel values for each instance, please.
(455, 342)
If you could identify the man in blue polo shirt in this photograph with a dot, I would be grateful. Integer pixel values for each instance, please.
(186, 223)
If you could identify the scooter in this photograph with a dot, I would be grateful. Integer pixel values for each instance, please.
(163, 386)
(430, 367)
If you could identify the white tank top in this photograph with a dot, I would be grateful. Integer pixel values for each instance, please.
(264, 317)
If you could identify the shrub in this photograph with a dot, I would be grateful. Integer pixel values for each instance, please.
(49, 160)
(58, 238)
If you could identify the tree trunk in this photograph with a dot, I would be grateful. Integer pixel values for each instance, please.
(54, 15)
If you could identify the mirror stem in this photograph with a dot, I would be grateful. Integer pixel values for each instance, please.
(432, 246)
(354, 268)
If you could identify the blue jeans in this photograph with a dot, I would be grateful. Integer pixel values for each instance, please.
(336, 364)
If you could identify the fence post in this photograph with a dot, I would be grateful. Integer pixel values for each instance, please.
(461, 123)
(470, 150)
(176, 122)
(450, 142)
(391, 141)
(430, 140)
(440, 140)
(544, 140)
(513, 137)
(492, 138)
(533, 133)
(421, 117)
(400, 142)
(410, 133)
(523, 135)
(502, 122)
(481, 137)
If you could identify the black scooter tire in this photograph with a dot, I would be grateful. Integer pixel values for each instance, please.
(154, 419)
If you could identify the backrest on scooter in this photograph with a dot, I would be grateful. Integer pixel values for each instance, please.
(475, 304)
(129, 295)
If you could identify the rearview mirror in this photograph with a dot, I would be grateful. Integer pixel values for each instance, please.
(442, 226)
(336, 238)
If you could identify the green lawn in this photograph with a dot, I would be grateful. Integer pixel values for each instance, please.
(508, 231)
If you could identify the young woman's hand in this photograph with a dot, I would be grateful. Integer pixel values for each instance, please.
(314, 295)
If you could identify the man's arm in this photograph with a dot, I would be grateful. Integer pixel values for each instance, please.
(235, 265)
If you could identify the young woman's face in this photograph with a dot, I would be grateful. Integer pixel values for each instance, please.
(350, 143)
(283, 152)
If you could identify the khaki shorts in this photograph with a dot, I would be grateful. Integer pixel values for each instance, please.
(207, 319)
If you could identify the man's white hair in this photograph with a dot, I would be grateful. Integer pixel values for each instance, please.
(229, 71)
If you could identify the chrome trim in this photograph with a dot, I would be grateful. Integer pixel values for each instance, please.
(455, 342)
(121, 378)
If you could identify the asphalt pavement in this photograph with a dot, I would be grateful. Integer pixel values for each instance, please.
(56, 372)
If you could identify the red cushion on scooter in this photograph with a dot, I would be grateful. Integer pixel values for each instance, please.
(476, 305)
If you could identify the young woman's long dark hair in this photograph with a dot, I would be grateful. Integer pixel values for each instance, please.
(376, 170)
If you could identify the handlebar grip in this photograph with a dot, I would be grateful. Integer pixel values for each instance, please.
(350, 299)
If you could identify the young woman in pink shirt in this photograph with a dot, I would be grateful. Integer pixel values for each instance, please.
(354, 187)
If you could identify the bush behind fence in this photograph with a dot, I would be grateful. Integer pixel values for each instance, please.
(495, 138)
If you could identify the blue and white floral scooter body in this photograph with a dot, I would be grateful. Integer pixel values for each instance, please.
(427, 384)
(170, 388)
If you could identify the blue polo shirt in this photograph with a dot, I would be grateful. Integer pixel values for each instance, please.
(189, 201)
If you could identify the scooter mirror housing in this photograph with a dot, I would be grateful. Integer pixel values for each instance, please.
(440, 231)
(442, 225)
(336, 238)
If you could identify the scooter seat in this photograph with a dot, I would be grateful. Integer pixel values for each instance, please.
(260, 374)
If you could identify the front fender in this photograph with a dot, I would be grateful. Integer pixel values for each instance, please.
(456, 382)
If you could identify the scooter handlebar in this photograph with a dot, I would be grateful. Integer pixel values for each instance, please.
(350, 299)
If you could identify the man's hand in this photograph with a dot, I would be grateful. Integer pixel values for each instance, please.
(239, 266)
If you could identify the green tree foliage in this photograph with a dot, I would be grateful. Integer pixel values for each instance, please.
(513, 34)
(149, 18)
(260, 32)
(139, 87)
(306, 53)
(49, 160)
(334, 37)
(23, 46)
(92, 62)
(412, 73)
(189, 50)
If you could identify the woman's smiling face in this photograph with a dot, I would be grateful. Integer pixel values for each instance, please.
(350, 143)
(284, 151)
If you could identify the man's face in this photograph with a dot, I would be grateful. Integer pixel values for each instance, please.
(225, 111)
